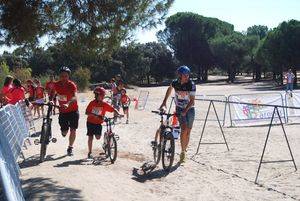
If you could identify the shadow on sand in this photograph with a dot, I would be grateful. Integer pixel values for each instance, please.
(101, 160)
(155, 174)
(35, 160)
(41, 188)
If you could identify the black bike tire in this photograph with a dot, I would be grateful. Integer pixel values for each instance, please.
(164, 157)
(112, 158)
(156, 153)
(43, 142)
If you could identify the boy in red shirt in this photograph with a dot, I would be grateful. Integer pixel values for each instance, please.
(96, 111)
(125, 101)
(68, 112)
(50, 88)
(39, 97)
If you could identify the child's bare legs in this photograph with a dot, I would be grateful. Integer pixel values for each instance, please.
(90, 143)
(126, 112)
(43, 111)
(38, 111)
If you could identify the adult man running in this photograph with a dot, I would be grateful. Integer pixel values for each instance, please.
(185, 90)
(68, 112)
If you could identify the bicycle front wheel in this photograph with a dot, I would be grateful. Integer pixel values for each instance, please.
(112, 149)
(168, 152)
(44, 141)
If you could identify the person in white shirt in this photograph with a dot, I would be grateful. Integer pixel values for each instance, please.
(289, 76)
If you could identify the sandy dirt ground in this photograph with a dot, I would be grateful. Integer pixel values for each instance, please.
(214, 174)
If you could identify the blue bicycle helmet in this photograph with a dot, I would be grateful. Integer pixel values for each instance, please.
(65, 69)
(183, 70)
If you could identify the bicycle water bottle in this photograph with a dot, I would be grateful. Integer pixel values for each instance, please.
(176, 132)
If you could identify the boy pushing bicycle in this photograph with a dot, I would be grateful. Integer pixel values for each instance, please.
(96, 110)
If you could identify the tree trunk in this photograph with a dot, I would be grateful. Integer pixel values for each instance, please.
(205, 75)
(148, 79)
(231, 74)
(199, 74)
(257, 72)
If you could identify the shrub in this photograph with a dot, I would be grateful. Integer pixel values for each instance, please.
(4, 71)
(82, 77)
(22, 74)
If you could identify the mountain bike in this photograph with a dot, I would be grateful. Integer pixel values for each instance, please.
(110, 139)
(46, 132)
(163, 146)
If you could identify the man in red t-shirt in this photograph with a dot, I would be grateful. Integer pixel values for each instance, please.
(50, 88)
(96, 111)
(68, 112)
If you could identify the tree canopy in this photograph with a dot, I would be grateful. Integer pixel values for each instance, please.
(93, 25)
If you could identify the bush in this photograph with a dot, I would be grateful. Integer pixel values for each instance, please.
(22, 74)
(43, 79)
(4, 71)
(82, 77)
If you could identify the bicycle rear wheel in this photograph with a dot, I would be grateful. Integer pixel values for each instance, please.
(44, 141)
(112, 149)
(168, 152)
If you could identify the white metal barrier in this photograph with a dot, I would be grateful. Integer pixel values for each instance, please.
(13, 131)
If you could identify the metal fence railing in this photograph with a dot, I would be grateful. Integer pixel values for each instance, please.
(14, 129)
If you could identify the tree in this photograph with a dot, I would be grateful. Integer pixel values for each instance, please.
(258, 30)
(97, 25)
(136, 65)
(281, 48)
(188, 35)
(229, 52)
(162, 62)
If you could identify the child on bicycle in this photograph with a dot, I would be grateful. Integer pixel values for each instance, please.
(125, 101)
(96, 111)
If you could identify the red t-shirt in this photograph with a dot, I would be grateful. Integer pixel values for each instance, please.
(16, 94)
(5, 89)
(39, 92)
(65, 92)
(50, 87)
(31, 90)
(125, 100)
(97, 108)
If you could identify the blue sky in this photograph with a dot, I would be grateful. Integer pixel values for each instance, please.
(240, 13)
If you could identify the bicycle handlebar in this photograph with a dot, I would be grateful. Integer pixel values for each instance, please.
(47, 104)
(107, 119)
(161, 113)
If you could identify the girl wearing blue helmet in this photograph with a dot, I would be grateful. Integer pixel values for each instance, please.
(185, 90)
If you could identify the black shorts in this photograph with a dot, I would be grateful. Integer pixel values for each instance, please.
(68, 120)
(93, 129)
(125, 108)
